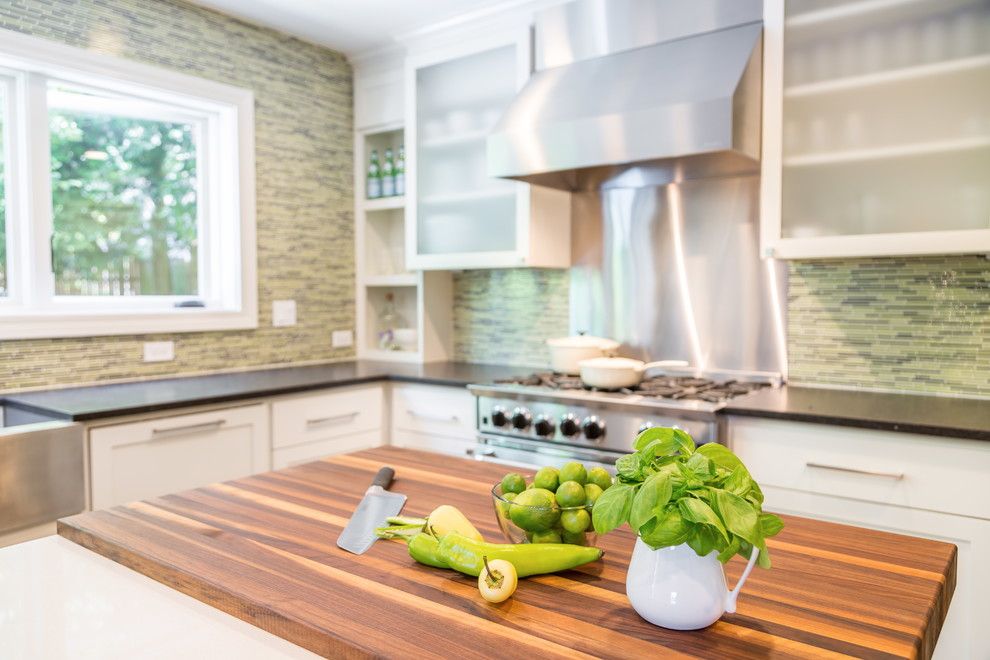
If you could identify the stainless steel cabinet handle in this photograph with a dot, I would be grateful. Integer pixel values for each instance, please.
(453, 419)
(869, 473)
(334, 418)
(189, 428)
(487, 451)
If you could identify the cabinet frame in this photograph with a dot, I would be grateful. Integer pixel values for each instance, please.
(772, 242)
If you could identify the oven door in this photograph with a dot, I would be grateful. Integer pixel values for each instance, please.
(536, 454)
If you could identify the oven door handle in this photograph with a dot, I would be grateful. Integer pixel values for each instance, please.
(563, 451)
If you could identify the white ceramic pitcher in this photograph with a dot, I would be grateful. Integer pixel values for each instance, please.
(675, 588)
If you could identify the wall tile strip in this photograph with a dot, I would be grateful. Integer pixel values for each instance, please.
(918, 324)
(303, 96)
(505, 316)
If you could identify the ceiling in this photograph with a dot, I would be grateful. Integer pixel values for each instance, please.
(349, 26)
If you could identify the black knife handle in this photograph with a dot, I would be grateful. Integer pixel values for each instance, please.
(384, 478)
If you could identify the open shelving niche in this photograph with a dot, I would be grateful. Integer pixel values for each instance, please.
(422, 299)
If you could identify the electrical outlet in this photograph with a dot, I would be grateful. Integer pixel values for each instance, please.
(341, 339)
(283, 313)
(159, 351)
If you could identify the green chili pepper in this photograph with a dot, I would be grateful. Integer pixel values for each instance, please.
(425, 549)
(468, 556)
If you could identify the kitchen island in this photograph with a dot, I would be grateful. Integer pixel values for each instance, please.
(263, 549)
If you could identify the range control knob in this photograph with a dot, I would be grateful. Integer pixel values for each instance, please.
(521, 418)
(569, 425)
(644, 426)
(499, 418)
(593, 427)
(543, 426)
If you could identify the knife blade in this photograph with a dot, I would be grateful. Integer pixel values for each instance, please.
(377, 505)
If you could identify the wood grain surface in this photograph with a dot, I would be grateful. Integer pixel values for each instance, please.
(263, 549)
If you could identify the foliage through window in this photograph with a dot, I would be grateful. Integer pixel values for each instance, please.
(126, 196)
(124, 201)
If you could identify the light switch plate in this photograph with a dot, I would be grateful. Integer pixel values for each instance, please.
(283, 313)
(341, 338)
(159, 351)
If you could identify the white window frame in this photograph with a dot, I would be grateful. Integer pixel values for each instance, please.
(226, 196)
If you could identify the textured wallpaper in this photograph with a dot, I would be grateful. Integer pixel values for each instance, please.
(505, 316)
(303, 137)
(915, 324)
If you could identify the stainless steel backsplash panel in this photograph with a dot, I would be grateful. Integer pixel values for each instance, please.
(674, 272)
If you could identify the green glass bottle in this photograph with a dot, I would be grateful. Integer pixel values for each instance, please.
(388, 175)
(400, 171)
(374, 187)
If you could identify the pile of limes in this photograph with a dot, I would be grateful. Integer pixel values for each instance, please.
(556, 506)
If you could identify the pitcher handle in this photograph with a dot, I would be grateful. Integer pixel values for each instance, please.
(730, 600)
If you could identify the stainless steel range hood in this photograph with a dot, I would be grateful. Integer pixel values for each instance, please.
(644, 92)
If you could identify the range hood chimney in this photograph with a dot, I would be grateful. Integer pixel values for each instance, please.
(636, 92)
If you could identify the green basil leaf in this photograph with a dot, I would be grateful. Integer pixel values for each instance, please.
(740, 517)
(685, 442)
(696, 511)
(691, 480)
(701, 466)
(651, 435)
(612, 507)
(730, 551)
(739, 482)
(650, 500)
(770, 525)
(755, 495)
(669, 529)
(720, 455)
(702, 540)
(629, 467)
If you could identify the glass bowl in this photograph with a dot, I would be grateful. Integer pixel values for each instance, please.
(542, 523)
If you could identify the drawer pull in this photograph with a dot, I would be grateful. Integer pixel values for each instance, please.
(346, 417)
(452, 419)
(189, 428)
(869, 473)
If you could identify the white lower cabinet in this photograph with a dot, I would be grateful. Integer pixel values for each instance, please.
(433, 418)
(308, 427)
(910, 484)
(147, 458)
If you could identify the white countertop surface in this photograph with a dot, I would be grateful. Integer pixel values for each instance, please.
(59, 600)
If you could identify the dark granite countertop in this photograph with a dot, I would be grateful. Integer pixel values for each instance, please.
(114, 400)
(912, 413)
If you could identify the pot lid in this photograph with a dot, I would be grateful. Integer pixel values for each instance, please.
(583, 341)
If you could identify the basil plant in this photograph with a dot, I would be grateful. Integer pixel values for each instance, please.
(672, 492)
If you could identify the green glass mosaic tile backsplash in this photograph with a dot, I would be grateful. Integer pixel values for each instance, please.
(303, 131)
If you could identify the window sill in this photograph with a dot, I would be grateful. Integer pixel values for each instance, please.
(114, 322)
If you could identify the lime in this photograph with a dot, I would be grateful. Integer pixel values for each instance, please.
(600, 477)
(574, 538)
(534, 510)
(571, 493)
(546, 537)
(547, 478)
(513, 483)
(591, 492)
(575, 520)
(573, 471)
(509, 496)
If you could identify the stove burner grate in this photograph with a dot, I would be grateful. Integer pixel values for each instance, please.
(661, 387)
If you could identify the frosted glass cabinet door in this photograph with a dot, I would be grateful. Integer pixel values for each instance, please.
(876, 127)
(462, 216)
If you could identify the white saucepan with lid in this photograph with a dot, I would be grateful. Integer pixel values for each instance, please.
(567, 352)
(613, 373)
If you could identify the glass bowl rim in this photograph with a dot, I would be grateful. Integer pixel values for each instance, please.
(498, 496)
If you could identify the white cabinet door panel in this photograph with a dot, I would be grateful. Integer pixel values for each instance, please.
(446, 411)
(312, 451)
(326, 415)
(145, 459)
(436, 443)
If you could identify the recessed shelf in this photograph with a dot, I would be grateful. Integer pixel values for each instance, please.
(398, 279)
(881, 153)
(384, 203)
(885, 77)
(390, 356)
(845, 17)
(454, 140)
(469, 196)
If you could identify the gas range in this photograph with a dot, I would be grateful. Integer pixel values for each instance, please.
(546, 418)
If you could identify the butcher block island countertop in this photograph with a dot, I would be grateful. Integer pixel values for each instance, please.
(263, 549)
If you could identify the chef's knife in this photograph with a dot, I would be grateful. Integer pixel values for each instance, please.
(377, 505)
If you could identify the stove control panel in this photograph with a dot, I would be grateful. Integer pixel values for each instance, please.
(602, 427)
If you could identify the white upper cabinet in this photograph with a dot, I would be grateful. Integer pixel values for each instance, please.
(876, 134)
(457, 215)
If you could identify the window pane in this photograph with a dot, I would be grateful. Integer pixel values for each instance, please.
(124, 198)
(3, 195)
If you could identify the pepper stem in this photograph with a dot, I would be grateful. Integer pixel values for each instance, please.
(494, 578)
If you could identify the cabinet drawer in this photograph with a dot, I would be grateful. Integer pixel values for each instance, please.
(916, 471)
(436, 443)
(312, 451)
(447, 411)
(326, 415)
